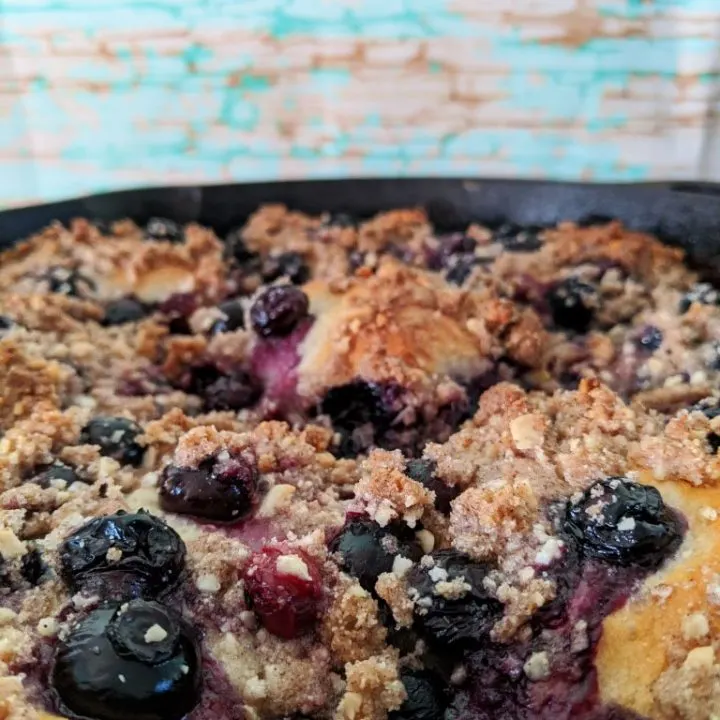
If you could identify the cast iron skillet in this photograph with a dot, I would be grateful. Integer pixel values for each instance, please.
(687, 214)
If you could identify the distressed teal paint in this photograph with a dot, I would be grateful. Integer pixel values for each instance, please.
(108, 108)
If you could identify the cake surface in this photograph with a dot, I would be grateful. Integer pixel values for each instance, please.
(356, 470)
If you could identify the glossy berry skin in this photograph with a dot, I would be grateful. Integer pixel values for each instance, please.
(572, 304)
(162, 229)
(125, 310)
(234, 317)
(43, 475)
(650, 339)
(460, 623)
(290, 264)
(116, 438)
(286, 598)
(366, 550)
(623, 523)
(277, 311)
(518, 239)
(106, 669)
(222, 489)
(67, 281)
(425, 700)
(422, 470)
(702, 294)
(123, 556)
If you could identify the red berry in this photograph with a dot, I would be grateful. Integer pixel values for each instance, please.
(284, 588)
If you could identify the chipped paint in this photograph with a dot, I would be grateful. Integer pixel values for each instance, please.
(105, 94)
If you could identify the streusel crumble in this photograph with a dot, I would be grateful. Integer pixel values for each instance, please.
(333, 469)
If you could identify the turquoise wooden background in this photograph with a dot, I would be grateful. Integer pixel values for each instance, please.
(104, 94)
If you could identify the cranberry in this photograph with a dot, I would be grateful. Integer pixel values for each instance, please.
(623, 522)
(572, 303)
(222, 489)
(43, 475)
(125, 310)
(284, 588)
(116, 438)
(290, 264)
(367, 550)
(162, 229)
(423, 471)
(234, 317)
(453, 623)
(139, 660)
(123, 555)
(277, 311)
(67, 281)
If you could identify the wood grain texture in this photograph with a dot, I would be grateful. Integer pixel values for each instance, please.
(101, 94)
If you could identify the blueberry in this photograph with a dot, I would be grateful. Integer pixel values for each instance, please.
(278, 310)
(178, 308)
(116, 438)
(222, 489)
(340, 220)
(367, 550)
(138, 660)
(235, 391)
(290, 264)
(165, 230)
(237, 250)
(710, 407)
(357, 403)
(650, 338)
(453, 623)
(713, 440)
(460, 268)
(425, 700)
(572, 304)
(234, 317)
(32, 567)
(515, 238)
(122, 556)
(125, 310)
(423, 471)
(6, 324)
(702, 294)
(43, 475)
(623, 522)
(67, 281)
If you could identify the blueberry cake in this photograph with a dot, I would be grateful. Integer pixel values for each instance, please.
(355, 470)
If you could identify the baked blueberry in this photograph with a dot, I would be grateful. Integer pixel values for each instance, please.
(453, 622)
(710, 407)
(460, 267)
(702, 294)
(232, 392)
(122, 556)
(366, 550)
(277, 311)
(515, 238)
(623, 522)
(139, 660)
(425, 699)
(422, 470)
(67, 281)
(125, 310)
(165, 230)
(223, 488)
(650, 338)
(237, 250)
(289, 264)
(6, 324)
(340, 220)
(284, 589)
(116, 438)
(572, 304)
(234, 317)
(178, 308)
(44, 475)
(33, 567)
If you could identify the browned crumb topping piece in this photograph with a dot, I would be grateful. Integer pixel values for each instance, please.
(373, 688)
